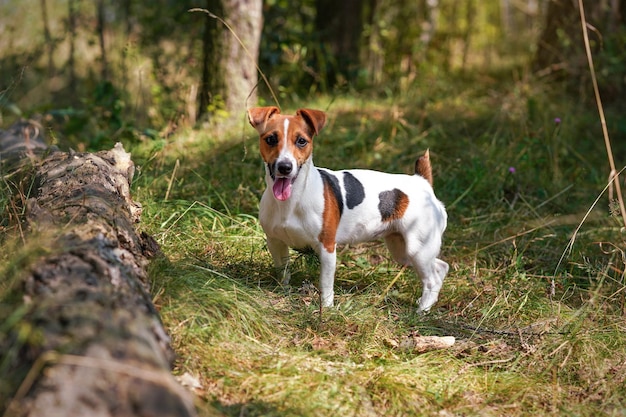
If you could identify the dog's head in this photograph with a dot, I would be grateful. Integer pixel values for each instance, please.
(286, 143)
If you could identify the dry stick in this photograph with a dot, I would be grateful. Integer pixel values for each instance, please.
(171, 181)
(614, 175)
(393, 281)
(222, 21)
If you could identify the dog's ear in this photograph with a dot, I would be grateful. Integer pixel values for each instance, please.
(316, 119)
(258, 116)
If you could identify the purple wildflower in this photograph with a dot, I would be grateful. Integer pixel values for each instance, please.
(557, 120)
(512, 170)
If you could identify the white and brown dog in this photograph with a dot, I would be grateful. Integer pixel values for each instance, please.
(305, 206)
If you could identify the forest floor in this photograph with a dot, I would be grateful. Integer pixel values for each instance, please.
(535, 297)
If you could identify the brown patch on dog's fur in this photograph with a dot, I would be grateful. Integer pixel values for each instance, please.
(392, 205)
(423, 167)
(330, 219)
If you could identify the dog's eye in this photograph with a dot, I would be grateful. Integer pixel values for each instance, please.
(301, 142)
(272, 140)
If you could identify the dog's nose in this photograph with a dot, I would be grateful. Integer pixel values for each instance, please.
(284, 167)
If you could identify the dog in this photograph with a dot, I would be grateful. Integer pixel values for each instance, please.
(306, 206)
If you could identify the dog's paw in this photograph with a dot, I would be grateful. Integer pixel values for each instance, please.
(427, 300)
(327, 301)
(422, 311)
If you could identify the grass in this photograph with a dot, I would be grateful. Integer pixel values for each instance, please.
(256, 348)
(252, 348)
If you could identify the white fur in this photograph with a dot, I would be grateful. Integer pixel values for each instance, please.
(413, 240)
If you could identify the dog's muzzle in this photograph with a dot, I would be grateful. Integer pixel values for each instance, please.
(280, 172)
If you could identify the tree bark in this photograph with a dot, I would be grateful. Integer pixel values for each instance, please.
(85, 338)
(246, 19)
(229, 74)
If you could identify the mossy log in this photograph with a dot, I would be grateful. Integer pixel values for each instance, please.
(85, 338)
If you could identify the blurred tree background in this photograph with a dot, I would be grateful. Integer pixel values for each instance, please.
(122, 69)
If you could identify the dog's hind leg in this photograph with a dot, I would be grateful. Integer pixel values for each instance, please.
(280, 255)
(397, 248)
(430, 296)
(430, 269)
(432, 274)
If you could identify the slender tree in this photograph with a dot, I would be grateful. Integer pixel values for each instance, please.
(101, 29)
(47, 37)
(71, 23)
(470, 15)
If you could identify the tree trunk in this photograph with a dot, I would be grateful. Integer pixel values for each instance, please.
(100, 17)
(71, 28)
(372, 54)
(560, 48)
(560, 38)
(229, 75)
(47, 37)
(339, 26)
(212, 77)
(470, 15)
(83, 337)
(560, 44)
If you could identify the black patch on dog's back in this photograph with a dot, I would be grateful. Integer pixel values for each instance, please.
(333, 183)
(355, 193)
(392, 204)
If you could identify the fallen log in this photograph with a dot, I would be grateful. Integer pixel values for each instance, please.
(81, 336)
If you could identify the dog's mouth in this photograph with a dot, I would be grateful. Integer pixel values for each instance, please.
(282, 188)
(282, 181)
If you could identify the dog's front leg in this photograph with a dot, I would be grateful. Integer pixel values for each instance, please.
(280, 254)
(328, 263)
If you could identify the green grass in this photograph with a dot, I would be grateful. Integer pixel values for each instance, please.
(256, 348)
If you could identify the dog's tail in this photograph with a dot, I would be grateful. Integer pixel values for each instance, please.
(423, 167)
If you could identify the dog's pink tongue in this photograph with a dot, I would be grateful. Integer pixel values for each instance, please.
(282, 188)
